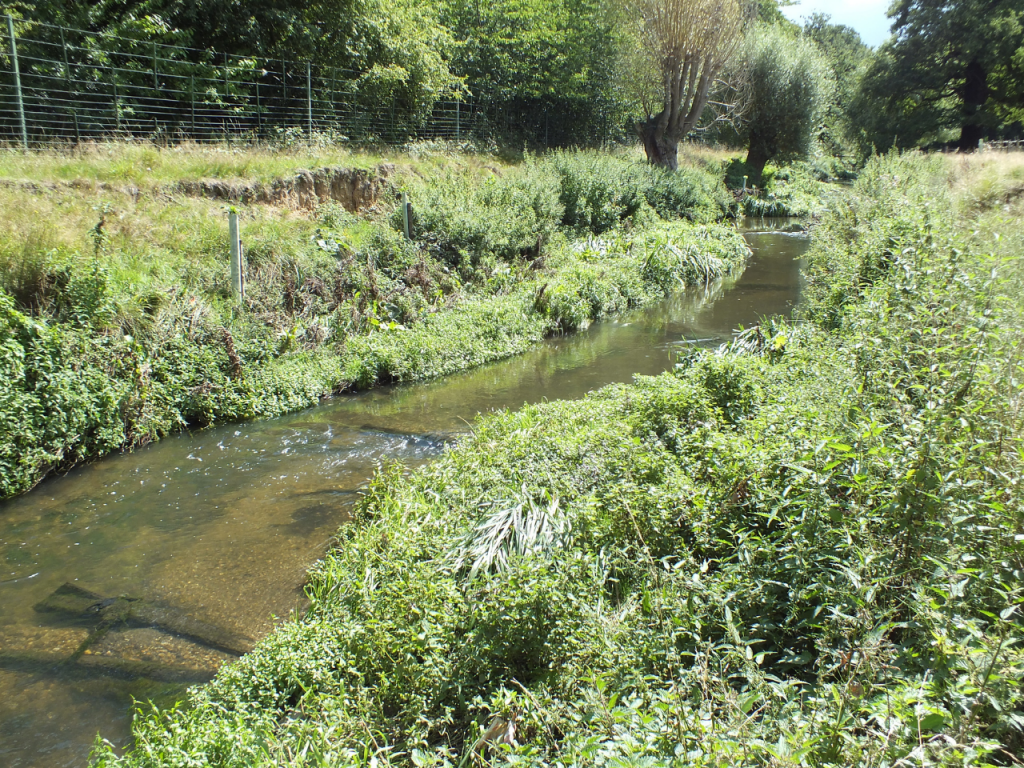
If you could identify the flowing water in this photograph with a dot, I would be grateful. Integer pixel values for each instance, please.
(215, 530)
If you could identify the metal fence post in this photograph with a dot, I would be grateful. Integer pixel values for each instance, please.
(117, 105)
(192, 97)
(67, 85)
(309, 99)
(458, 126)
(406, 211)
(259, 111)
(17, 82)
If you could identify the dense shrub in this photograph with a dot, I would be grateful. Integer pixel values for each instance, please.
(504, 216)
(600, 192)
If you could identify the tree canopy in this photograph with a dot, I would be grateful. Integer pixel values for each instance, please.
(949, 67)
(786, 88)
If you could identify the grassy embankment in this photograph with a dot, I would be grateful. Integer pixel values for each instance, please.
(802, 550)
(118, 327)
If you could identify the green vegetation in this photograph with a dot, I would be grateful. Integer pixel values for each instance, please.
(787, 86)
(119, 326)
(802, 549)
(951, 73)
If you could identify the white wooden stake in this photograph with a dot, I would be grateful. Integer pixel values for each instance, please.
(236, 255)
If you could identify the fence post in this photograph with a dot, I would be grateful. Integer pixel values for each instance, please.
(117, 105)
(17, 83)
(406, 210)
(259, 110)
(67, 67)
(309, 99)
(67, 85)
(458, 120)
(236, 255)
(156, 85)
(192, 98)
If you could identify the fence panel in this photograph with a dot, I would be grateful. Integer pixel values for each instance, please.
(76, 85)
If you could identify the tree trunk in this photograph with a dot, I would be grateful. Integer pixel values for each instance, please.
(757, 159)
(661, 149)
(975, 95)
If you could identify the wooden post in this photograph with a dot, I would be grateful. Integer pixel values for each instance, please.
(17, 83)
(406, 216)
(457, 120)
(236, 255)
(309, 99)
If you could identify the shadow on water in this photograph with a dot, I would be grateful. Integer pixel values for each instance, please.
(219, 527)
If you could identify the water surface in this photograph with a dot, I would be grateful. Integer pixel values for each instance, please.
(221, 525)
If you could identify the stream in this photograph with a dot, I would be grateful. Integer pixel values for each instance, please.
(216, 529)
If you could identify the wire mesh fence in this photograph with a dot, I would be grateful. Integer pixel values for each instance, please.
(63, 85)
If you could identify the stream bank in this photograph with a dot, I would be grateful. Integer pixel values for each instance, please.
(223, 524)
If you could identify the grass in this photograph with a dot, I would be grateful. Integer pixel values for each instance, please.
(120, 327)
(145, 165)
(800, 549)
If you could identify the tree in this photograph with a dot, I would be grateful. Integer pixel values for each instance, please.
(950, 66)
(685, 44)
(549, 65)
(786, 89)
(848, 56)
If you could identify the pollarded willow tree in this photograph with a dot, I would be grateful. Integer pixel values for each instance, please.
(787, 86)
(686, 44)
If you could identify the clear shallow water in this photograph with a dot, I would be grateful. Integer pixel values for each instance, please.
(221, 525)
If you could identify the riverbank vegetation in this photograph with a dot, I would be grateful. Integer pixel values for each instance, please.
(119, 324)
(803, 548)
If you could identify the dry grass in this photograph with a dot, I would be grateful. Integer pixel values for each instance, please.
(988, 180)
(147, 165)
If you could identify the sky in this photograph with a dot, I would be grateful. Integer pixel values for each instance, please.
(866, 16)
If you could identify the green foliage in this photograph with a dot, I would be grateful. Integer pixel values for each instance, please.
(501, 217)
(548, 66)
(794, 190)
(848, 57)
(601, 192)
(802, 548)
(950, 72)
(601, 277)
(787, 86)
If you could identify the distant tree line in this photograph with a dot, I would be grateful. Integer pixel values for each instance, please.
(585, 71)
